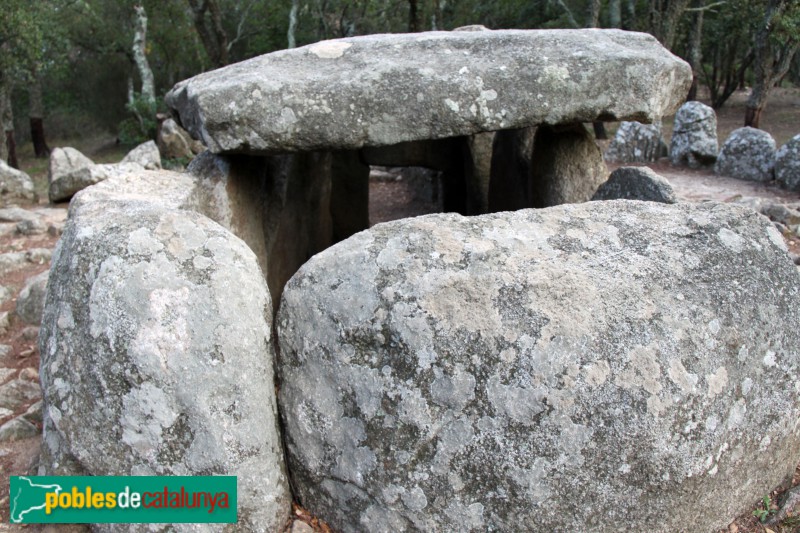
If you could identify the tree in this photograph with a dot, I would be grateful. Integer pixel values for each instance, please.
(775, 44)
(664, 18)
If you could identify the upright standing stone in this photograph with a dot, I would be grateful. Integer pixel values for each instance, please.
(787, 164)
(636, 143)
(567, 166)
(694, 136)
(748, 154)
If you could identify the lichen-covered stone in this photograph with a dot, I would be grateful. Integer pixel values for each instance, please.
(787, 164)
(579, 368)
(30, 302)
(157, 357)
(635, 142)
(379, 90)
(15, 185)
(694, 136)
(145, 155)
(747, 154)
(636, 183)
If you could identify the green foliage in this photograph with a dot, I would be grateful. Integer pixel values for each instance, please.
(142, 126)
(763, 514)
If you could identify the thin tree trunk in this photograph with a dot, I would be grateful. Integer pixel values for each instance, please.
(7, 121)
(213, 37)
(36, 117)
(413, 16)
(593, 14)
(140, 55)
(770, 65)
(436, 17)
(293, 23)
(696, 48)
(664, 18)
(629, 21)
(614, 14)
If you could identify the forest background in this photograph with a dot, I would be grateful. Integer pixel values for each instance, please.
(75, 68)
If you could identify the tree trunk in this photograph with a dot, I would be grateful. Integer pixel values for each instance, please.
(772, 62)
(140, 55)
(7, 122)
(213, 36)
(413, 16)
(664, 18)
(436, 17)
(614, 14)
(593, 14)
(293, 23)
(630, 15)
(696, 48)
(36, 117)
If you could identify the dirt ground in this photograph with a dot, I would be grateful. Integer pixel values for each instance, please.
(391, 197)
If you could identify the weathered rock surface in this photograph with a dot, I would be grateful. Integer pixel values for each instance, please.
(568, 369)
(15, 393)
(787, 164)
(694, 136)
(69, 172)
(156, 354)
(66, 186)
(16, 429)
(566, 166)
(380, 90)
(30, 302)
(145, 155)
(175, 142)
(15, 185)
(12, 261)
(16, 214)
(636, 183)
(748, 154)
(635, 142)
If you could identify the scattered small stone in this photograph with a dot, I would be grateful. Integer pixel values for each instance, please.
(38, 255)
(17, 429)
(30, 302)
(781, 213)
(34, 413)
(30, 333)
(6, 373)
(55, 229)
(18, 392)
(5, 413)
(31, 227)
(26, 353)
(5, 322)
(5, 294)
(29, 374)
(5, 351)
(15, 184)
(301, 527)
(16, 214)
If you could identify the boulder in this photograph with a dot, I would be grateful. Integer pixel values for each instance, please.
(15, 185)
(694, 136)
(787, 164)
(30, 302)
(175, 142)
(636, 183)
(378, 90)
(145, 155)
(69, 172)
(567, 166)
(567, 369)
(636, 143)
(156, 354)
(748, 154)
(16, 393)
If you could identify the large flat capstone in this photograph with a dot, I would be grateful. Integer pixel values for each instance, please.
(592, 367)
(381, 90)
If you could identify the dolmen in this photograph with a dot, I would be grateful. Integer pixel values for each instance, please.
(584, 366)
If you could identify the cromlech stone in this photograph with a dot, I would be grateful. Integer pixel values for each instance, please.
(694, 136)
(379, 90)
(567, 165)
(156, 350)
(747, 154)
(636, 143)
(636, 183)
(145, 155)
(787, 164)
(444, 373)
